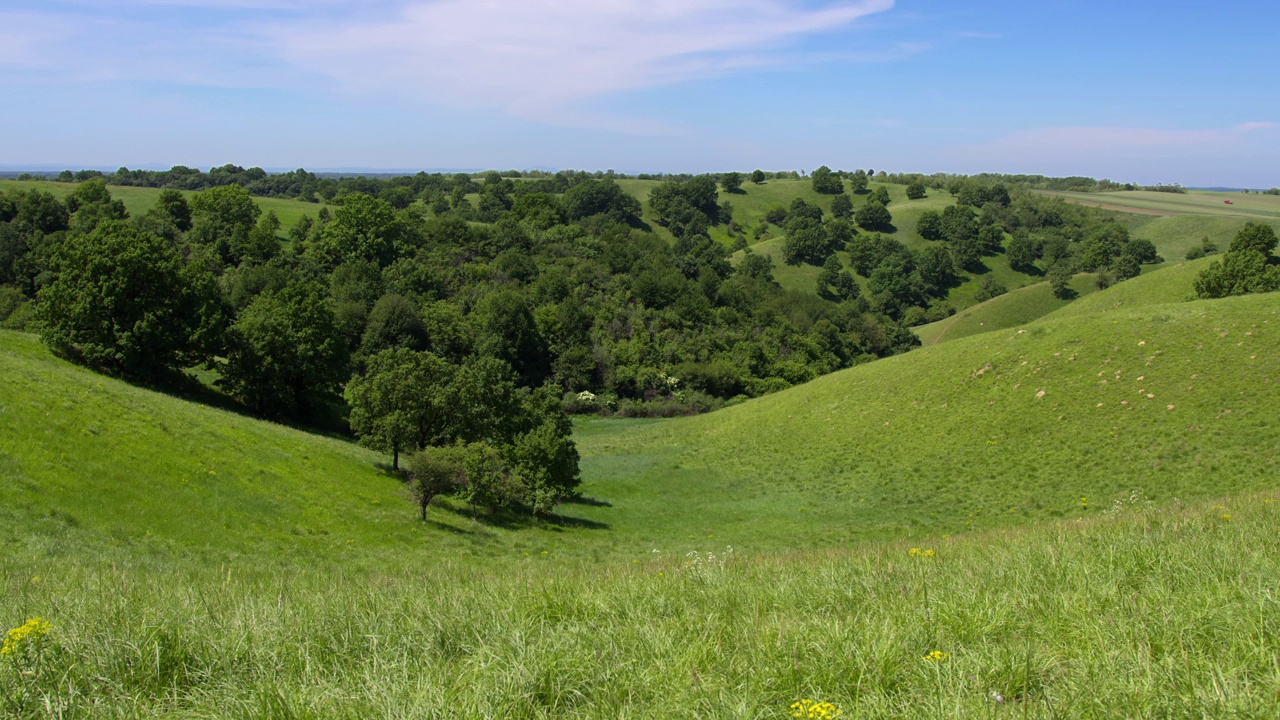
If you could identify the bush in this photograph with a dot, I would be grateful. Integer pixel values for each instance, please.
(1195, 253)
(10, 300)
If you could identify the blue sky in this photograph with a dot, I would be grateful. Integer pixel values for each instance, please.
(1131, 90)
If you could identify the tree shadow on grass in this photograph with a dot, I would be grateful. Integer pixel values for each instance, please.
(523, 520)
(588, 501)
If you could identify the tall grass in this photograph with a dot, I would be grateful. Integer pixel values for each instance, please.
(1134, 613)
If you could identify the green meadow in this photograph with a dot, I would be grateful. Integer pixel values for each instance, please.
(1052, 510)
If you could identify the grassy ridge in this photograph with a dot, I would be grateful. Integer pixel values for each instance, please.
(138, 200)
(1012, 309)
(959, 435)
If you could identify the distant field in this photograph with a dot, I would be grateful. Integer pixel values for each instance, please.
(139, 200)
(1195, 202)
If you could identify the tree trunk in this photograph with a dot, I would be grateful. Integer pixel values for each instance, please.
(395, 461)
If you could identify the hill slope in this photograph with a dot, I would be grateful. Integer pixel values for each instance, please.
(1168, 400)
(939, 440)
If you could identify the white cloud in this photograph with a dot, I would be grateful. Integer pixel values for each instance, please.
(533, 57)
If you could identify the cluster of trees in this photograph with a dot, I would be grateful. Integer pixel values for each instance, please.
(396, 315)
(1249, 266)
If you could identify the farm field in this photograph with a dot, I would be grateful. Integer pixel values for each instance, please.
(1193, 202)
(138, 200)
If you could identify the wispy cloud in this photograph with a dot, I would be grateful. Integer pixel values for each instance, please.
(534, 58)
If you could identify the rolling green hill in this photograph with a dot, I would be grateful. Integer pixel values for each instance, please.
(1074, 519)
(920, 443)
(1012, 309)
(138, 200)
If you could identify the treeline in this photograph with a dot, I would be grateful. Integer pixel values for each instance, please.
(398, 190)
(430, 329)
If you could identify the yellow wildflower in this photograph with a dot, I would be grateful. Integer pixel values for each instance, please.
(936, 656)
(917, 552)
(814, 711)
(31, 631)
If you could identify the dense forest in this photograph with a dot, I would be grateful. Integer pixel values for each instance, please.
(449, 311)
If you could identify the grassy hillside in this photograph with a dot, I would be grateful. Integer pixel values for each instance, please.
(1170, 282)
(993, 429)
(1012, 309)
(1171, 285)
(922, 443)
(138, 200)
(91, 459)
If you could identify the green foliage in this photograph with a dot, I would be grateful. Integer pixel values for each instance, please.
(858, 182)
(731, 182)
(173, 205)
(917, 191)
(125, 302)
(1238, 273)
(1023, 250)
(1248, 267)
(686, 208)
(1060, 280)
(436, 471)
(757, 177)
(393, 323)
(285, 355)
(597, 197)
(1256, 237)
(826, 182)
(1126, 267)
(222, 219)
(759, 267)
(401, 402)
(842, 207)
(989, 288)
(364, 228)
(874, 216)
